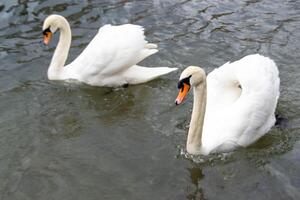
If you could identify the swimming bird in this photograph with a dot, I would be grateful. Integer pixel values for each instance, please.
(110, 59)
(233, 106)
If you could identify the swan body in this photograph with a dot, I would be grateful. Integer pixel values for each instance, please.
(233, 107)
(110, 59)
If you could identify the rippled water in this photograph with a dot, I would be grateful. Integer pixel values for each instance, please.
(70, 141)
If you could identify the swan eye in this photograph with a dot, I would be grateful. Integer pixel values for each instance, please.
(184, 80)
(47, 36)
(180, 84)
(46, 31)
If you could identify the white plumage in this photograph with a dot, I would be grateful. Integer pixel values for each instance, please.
(109, 59)
(241, 102)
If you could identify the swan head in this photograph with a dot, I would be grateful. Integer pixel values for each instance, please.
(192, 76)
(50, 26)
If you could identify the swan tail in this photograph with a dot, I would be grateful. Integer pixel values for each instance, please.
(139, 74)
(148, 50)
(151, 46)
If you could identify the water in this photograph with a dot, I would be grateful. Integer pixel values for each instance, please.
(70, 141)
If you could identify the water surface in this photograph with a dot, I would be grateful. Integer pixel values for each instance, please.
(72, 141)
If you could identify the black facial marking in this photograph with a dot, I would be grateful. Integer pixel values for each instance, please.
(184, 80)
(46, 31)
(126, 85)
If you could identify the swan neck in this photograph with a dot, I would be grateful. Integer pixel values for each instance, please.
(61, 52)
(194, 140)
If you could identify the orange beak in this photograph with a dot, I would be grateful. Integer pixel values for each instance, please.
(182, 93)
(47, 37)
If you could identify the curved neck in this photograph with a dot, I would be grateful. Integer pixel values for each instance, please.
(61, 52)
(194, 140)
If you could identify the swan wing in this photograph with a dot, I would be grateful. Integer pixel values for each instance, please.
(241, 101)
(113, 50)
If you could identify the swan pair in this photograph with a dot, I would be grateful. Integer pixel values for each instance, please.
(233, 106)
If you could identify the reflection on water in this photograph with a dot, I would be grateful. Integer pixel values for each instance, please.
(196, 176)
(72, 141)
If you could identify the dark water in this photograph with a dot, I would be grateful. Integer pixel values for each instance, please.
(69, 141)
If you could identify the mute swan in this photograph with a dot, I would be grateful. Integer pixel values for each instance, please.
(234, 106)
(109, 59)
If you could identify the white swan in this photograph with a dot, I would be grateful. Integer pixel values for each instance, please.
(234, 106)
(110, 58)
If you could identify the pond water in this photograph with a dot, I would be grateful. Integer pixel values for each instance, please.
(72, 141)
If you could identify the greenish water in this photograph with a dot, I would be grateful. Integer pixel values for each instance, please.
(71, 141)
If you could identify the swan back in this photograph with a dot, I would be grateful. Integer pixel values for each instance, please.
(241, 101)
(112, 51)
